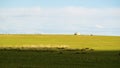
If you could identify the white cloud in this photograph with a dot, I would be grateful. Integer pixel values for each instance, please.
(66, 11)
(67, 18)
(99, 26)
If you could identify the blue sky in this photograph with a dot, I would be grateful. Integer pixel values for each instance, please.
(60, 3)
(101, 17)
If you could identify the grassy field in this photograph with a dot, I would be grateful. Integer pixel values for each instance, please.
(95, 42)
(66, 59)
(105, 54)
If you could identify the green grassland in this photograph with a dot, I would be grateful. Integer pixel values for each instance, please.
(71, 41)
(53, 59)
(59, 51)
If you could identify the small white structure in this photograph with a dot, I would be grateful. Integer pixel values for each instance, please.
(77, 33)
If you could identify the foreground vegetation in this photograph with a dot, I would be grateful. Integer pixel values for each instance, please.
(59, 51)
(58, 58)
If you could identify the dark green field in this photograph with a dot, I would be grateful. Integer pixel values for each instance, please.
(54, 59)
(17, 51)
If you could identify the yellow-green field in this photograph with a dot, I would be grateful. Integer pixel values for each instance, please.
(59, 51)
(71, 41)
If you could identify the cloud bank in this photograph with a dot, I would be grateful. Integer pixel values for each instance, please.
(59, 20)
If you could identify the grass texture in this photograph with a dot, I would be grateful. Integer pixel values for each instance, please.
(71, 41)
(59, 51)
